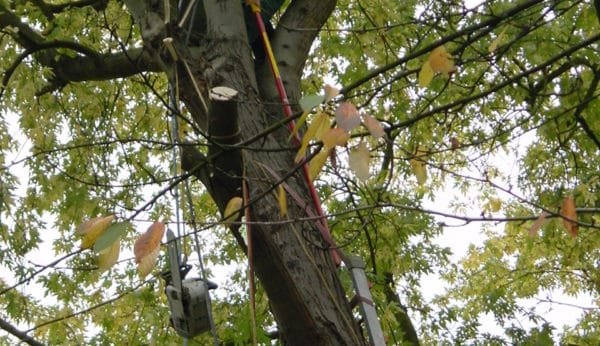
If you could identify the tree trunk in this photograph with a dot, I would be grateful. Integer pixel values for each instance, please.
(292, 260)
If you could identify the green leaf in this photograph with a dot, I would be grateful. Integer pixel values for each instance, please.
(112, 234)
(311, 101)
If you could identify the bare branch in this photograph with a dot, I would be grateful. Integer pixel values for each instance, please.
(490, 24)
(19, 334)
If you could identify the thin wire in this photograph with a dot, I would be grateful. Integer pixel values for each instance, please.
(176, 141)
(252, 287)
(213, 328)
(175, 191)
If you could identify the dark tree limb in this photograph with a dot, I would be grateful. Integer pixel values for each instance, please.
(19, 334)
(291, 46)
(409, 332)
(490, 23)
(589, 96)
(90, 65)
(49, 9)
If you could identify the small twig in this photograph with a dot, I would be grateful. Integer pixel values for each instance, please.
(31, 276)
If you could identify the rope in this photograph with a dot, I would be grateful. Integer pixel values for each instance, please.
(175, 140)
(336, 253)
(252, 287)
(213, 328)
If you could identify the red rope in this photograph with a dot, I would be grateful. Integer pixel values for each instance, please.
(336, 253)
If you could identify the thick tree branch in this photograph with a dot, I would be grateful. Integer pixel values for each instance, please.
(49, 9)
(106, 66)
(19, 334)
(291, 46)
(409, 336)
(89, 66)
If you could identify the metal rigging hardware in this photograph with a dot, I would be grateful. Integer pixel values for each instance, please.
(187, 297)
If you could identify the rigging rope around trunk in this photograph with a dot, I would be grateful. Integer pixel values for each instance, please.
(336, 253)
(355, 264)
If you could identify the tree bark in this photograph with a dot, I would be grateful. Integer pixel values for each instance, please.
(291, 260)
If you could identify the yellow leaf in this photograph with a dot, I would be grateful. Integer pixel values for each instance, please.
(420, 170)
(317, 163)
(109, 256)
(494, 45)
(359, 161)
(335, 136)
(346, 116)
(147, 247)
(282, 201)
(316, 127)
(299, 123)
(425, 75)
(92, 229)
(569, 212)
(538, 224)
(441, 61)
(323, 125)
(373, 126)
(330, 92)
(495, 205)
(233, 209)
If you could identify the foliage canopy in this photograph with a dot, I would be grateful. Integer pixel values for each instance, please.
(488, 113)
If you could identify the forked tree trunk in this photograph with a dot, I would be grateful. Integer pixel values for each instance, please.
(291, 259)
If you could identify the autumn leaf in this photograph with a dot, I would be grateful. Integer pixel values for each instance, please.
(494, 45)
(440, 61)
(109, 256)
(92, 229)
(346, 116)
(317, 128)
(420, 170)
(373, 126)
(454, 143)
(538, 224)
(233, 209)
(282, 198)
(317, 163)
(147, 247)
(299, 124)
(147, 263)
(323, 125)
(495, 204)
(335, 137)
(569, 212)
(425, 75)
(330, 92)
(359, 160)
